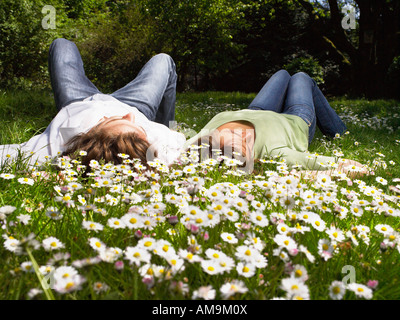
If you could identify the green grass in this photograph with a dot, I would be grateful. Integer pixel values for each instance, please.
(373, 139)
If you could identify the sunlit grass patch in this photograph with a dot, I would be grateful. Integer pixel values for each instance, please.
(206, 230)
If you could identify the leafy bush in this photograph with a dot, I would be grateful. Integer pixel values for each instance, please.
(308, 65)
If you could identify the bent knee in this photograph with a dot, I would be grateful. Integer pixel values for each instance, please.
(61, 42)
(164, 57)
(301, 74)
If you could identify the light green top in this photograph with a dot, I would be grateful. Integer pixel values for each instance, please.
(276, 135)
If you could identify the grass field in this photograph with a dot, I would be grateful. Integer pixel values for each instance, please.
(201, 231)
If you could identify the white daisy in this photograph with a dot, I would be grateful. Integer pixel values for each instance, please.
(91, 225)
(231, 288)
(52, 243)
(229, 237)
(360, 290)
(337, 290)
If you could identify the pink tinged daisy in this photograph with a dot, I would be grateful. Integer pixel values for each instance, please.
(137, 255)
(231, 288)
(205, 293)
(52, 243)
(299, 272)
(325, 249)
(70, 284)
(337, 290)
(91, 225)
(360, 290)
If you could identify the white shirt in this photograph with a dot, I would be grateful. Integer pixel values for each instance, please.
(80, 117)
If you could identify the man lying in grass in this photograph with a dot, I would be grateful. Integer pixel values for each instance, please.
(280, 121)
(128, 121)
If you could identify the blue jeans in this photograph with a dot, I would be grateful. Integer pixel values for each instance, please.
(299, 95)
(152, 92)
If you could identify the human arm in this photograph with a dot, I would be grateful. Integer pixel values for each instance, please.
(311, 164)
(351, 168)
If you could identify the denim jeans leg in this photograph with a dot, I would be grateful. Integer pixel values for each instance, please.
(272, 94)
(153, 91)
(67, 75)
(327, 119)
(299, 101)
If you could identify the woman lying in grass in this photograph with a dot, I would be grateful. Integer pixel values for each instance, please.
(128, 121)
(280, 121)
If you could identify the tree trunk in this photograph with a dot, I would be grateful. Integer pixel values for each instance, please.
(378, 42)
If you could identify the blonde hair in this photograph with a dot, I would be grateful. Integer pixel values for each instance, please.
(104, 145)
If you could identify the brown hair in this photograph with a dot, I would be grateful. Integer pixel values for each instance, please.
(103, 145)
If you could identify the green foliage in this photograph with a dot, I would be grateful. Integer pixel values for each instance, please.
(394, 69)
(199, 34)
(118, 44)
(21, 40)
(308, 65)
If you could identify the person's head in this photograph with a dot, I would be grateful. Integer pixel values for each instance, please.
(235, 144)
(108, 139)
